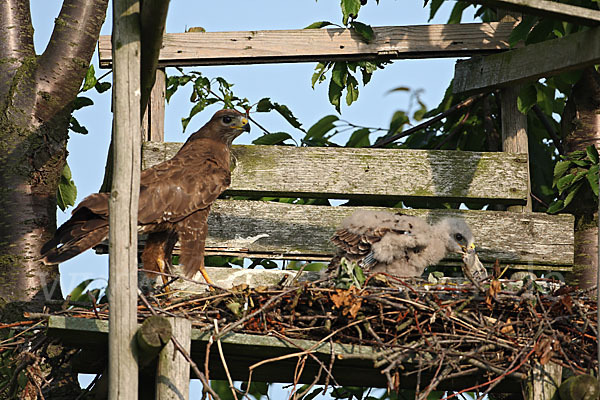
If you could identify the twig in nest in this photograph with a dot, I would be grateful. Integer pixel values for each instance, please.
(493, 380)
(223, 360)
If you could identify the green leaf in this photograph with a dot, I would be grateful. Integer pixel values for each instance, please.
(364, 30)
(272, 138)
(320, 70)
(77, 294)
(319, 25)
(81, 101)
(520, 32)
(564, 182)
(195, 110)
(321, 127)
(576, 155)
(555, 207)
(545, 98)
(66, 192)
(75, 126)
(592, 177)
(434, 7)
(592, 153)
(398, 89)
(398, 119)
(540, 32)
(264, 105)
(572, 193)
(351, 90)
(339, 73)
(335, 94)
(102, 87)
(579, 176)
(286, 113)
(350, 9)
(527, 98)
(359, 138)
(457, 11)
(90, 79)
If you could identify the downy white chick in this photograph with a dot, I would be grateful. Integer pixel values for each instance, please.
(398, 244)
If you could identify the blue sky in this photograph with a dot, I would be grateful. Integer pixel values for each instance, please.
(284, 83)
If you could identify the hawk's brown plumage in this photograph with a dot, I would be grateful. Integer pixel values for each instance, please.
(175, 199)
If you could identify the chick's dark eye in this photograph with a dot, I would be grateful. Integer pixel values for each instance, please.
(459, 237)
(227, 119)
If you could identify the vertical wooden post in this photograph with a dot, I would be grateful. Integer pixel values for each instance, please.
(543, 381)
(514, 133)
(153, 122)
(514, 123)
(173, 370)
(123, 202)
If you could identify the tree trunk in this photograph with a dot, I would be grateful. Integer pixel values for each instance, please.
(36, 95)
(581, 128)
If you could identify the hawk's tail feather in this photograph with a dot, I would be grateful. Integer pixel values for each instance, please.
(74, 241)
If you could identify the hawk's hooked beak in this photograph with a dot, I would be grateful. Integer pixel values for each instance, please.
(244, 125)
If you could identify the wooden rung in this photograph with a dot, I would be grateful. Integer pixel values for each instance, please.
(373, 174)
(303, 45)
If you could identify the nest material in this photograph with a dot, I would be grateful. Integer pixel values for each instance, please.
(446, 329)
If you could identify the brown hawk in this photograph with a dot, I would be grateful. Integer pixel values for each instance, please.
(398, 244)
(175, 199)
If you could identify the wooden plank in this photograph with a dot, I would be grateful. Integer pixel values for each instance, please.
(280, 228)
(544, 8)
(153, 122)
(303, 45)
(256, 229)
(353, 363)
(514, 134)
(153, 19)
(530, 63)
(173, 371)
(123, 202)
(342, 173)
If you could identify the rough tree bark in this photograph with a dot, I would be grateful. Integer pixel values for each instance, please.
(581, 128)
(36, 95)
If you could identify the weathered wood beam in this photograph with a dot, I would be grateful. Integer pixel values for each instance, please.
(530, 63)
(514, 134)
(303, 45)
(369, 173)
(267, 227)
(123, 202)
(152, 22)
(353, 364)
(153, 120)
(544, 8)
(543, 381)
(299, 232)
(173, 370)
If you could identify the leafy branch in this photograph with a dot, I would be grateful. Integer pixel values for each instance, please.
(577, 170)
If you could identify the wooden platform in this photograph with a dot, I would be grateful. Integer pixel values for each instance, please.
(353, 364)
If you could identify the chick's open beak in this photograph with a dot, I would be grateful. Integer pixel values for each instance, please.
(470, 249)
